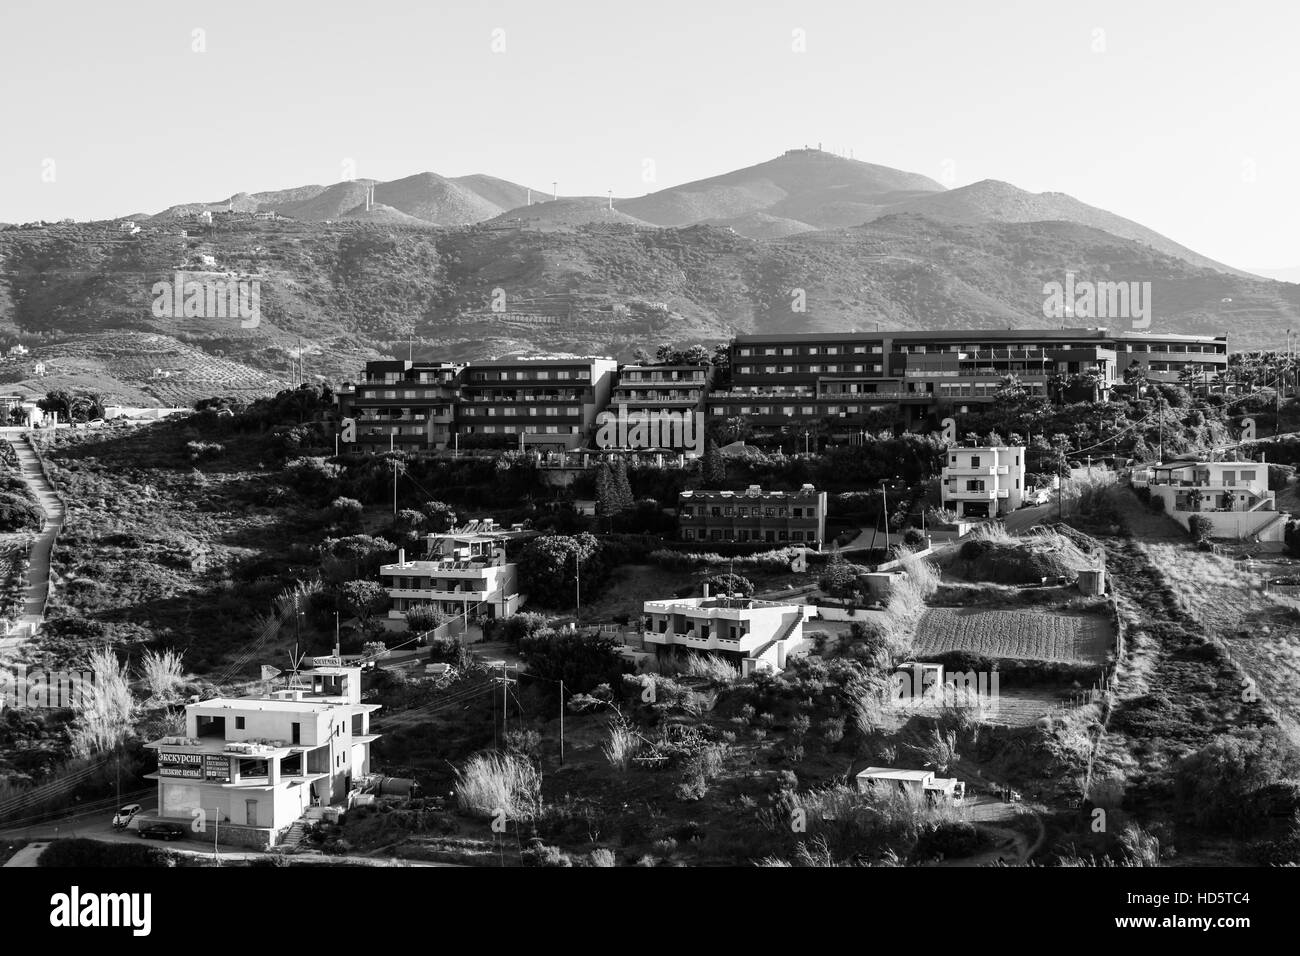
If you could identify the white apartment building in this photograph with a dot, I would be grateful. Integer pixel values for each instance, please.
(249, 767)
(754, 635)
(463, 572)
(983, 482)
(1232, 495)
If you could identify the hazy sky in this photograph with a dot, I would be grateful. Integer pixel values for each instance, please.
(1180, 115)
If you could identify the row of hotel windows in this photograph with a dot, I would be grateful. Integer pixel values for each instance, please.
(481, 430)
(729, 511)
(815, 350)
(531, 375)
(492, 410)
(744, 534)
(788, 410)
(939, 349)
(409, 393)
(986, 389)
(801, 369)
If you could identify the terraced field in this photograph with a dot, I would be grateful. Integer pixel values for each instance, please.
(1026, 635)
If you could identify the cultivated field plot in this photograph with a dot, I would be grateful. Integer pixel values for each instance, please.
(1028, 635)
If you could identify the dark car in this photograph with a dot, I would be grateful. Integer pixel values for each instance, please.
(163, 831)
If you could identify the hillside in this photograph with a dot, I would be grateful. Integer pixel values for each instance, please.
(802, 190)
(993, 201)
(804, 185)
(355, 290)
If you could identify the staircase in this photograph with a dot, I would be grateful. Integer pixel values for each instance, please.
(294, 836)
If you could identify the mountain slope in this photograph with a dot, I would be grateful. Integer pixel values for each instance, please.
(994, 201)
(791, 186)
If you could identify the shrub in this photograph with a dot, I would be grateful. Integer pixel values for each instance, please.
(1200, 528)
(491, 783)
(1218, 784)
(82, 853)
(730, 584)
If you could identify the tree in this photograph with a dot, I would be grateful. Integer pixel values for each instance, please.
(359, 552)
(622, 488)
(582, 661)
(713, 471)
(424, 617)
(442, 517)
(56, 401)
(840, 579)
(730, 584)
(549, 565)
(408, 523)
(364, 598)
(346, 511)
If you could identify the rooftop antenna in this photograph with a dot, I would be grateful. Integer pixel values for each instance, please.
(295, 663)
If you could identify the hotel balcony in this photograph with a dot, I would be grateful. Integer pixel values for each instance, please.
(711, 643)
(988, 494)
(967, 470)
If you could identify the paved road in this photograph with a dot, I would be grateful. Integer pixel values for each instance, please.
(38, 572)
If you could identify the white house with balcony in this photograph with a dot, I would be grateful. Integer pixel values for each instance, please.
(250, 767)
(753, 635)
(464, 572)
(1232, 496)
(983, 482)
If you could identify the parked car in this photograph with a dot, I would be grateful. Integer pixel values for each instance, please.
(125, 815)
(162, 830)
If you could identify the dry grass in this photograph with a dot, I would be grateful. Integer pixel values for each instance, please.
(162, 672)
(621, 744)
(497, 784)
(713, 668)
(105, 708)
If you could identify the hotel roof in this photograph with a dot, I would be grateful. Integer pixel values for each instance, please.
(976, 335)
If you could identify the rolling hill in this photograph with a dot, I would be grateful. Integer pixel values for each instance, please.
(866, 246)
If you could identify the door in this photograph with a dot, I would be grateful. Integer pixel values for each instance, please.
(250, 812)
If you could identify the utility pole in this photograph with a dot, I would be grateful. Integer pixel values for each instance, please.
(394, 488)
(577, 589)
(561, 721)
(884, 494)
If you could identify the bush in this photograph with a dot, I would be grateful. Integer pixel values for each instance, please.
(1219, 784)
(81, 853)
(1200, 528)
(730, 584)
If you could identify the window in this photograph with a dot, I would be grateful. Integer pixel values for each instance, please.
(974, 461)
(689, 534)
(239, 723)
(796, 535)
(798, 512)
(295, 733)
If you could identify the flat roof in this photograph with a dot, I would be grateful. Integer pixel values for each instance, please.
(974, 335)
(889, 773)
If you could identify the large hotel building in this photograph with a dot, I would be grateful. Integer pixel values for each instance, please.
(551, 403)
(844, 375)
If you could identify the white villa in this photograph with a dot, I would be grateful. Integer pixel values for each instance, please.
(1232, 495)
(754, 635)
(983, 482)
(464, 572)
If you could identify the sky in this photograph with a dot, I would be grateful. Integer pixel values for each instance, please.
(1179, 115)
